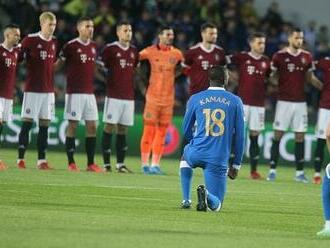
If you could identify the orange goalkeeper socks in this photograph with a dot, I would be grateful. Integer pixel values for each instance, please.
(146, 143)
(158, 145)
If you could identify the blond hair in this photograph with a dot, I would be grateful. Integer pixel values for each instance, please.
(47, 16)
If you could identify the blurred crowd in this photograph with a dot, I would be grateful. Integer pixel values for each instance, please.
(235, 19)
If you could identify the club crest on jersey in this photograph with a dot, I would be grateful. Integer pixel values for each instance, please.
(73, 113)
(78, 50)
(28, 111)
(8, 62)
(217, 58)
(248, 61)
(53, 47)
(200, 57)
(263, 65)
(287, 60)
(93, 50)
(4, 54)
(132, 55)
(39, 46)
(118, 55)
(172, 61)
(16, 55)
(122, 63)
(303, 60)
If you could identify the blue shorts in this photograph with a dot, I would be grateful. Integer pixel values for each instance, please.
(195, 159)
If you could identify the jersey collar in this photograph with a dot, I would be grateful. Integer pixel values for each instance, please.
(83, 43)
(293, 54)
(9, 50)
(206, 50)
(121, 46)
(257, 57)
(163, 47)
(43, 38)
(215, 88)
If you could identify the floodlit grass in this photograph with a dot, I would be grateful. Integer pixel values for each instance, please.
(65, 209)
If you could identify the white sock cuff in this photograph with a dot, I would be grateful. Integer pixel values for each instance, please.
(218, 208)
(299, 172)
(327, 171)
(184, 164)
(327, 224)
(40, 161)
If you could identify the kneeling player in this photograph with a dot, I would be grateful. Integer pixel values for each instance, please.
(326, 193)
(79, 56)
(217, 113)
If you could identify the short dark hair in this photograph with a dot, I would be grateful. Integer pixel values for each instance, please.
(11, 25)
(122, 23)
(218, 74)
(83, 19)
(256, 35)
(207, 25)
(164, 27)
(294, 30)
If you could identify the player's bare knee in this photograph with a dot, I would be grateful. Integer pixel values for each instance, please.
(44, 123)
(278, 135)
(71, 129)
(327, 135)
(299, 137)
(91, 128)
(254, 133)
(108, 127)
(27, 120)
(122, 129)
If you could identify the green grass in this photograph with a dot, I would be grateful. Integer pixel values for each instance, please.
(62, 209)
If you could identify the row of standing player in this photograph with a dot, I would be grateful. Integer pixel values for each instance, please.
(79, 56)
(80, 59)
(290, 65)
(289, 69)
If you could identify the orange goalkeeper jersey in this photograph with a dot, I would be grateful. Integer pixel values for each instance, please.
(163, 62)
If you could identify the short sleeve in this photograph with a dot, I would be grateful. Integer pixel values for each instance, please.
(180, 57)
(24, 49)
(275, 62)
(106, 57)
(188, 58)
(144, 54)
(64, 52)
(233, 59)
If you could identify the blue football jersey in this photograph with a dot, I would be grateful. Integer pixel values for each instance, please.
(219, 118)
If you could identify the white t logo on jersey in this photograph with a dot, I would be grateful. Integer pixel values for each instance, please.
(291, 67)
(43, 54)
(205, 64)
(83, 58)
(8, 62)
(251, 69)
(122, 63)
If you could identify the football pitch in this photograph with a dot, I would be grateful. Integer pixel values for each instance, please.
(66, 209)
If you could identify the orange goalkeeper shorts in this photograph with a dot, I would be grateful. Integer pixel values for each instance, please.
(157, 114)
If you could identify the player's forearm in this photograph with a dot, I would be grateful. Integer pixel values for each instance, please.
(315, 81)
(58, 65)
(239, 138)
(273, 78)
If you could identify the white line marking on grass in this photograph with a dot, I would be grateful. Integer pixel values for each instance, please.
(96, 186)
